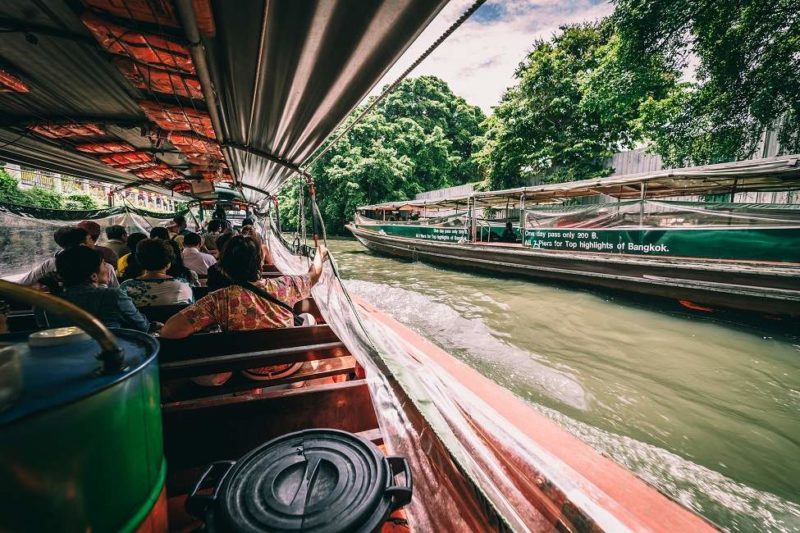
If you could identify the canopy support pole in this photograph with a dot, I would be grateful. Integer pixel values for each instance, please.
(474, 224)
(643, 190)
(522, 218)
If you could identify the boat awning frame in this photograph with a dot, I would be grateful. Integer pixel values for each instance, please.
(277, 78)
(780, 173)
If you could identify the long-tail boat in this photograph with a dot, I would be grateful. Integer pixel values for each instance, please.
(182, 96)
(675, 234)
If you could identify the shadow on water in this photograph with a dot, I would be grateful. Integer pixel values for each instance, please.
(703, 406)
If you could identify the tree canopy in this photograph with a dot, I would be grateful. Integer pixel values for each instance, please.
(575, 105)
(421, 137)
(746, 56)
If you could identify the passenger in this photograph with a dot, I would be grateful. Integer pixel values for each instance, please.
(117, 237)
(179, 270)
(216, 277)
(250, 231)
(509, 235)
(155, 286)
(193, 258)
(159, 232)
(177, 229)
(94, 229)
(213, 230)
(66, 237)
(128, 266)
(84, 274)
(247, 222)
(249, 303)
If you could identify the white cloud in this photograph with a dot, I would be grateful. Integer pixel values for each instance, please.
(479, 59)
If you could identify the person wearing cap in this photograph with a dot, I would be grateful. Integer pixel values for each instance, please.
(66, 238)
(94, 229)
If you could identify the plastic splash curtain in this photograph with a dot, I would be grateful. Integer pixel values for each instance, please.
(655, 214)
(472, 470)
(26, 233)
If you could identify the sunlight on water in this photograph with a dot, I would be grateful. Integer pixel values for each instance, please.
(705, 411)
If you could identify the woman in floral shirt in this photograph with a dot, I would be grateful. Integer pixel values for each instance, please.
(235, 308)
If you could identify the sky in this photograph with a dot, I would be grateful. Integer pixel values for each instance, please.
(478, 61)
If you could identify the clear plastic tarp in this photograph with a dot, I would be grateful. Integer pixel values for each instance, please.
(662, 214)
(26, 234)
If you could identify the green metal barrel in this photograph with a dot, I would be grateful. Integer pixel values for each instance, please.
(80, 450)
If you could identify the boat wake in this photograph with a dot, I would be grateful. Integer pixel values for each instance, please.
(471, 340)
(463, 333)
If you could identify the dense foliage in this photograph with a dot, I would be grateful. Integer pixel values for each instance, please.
(696, 82)
(419, 138)
(747, 58)
(575, 105)
(10, 193)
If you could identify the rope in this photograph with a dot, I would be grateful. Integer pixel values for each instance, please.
(453, 27)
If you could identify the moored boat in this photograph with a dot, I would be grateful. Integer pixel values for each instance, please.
(648, 234)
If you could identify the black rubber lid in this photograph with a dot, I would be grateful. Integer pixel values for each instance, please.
(319, 480)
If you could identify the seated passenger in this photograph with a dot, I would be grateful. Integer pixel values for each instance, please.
(193, 258)
(83, 273)
(250, 231)
(509, 235)
(213, 230)
(155, 286)
(248, 304)
(179, 270)
(117, 239)
(127, 266)
(216, 277)
(67, 237)
(94, 229)
(159, 232)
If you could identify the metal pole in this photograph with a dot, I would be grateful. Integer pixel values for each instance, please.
(474, 219)
(643, 187)
(522, 218)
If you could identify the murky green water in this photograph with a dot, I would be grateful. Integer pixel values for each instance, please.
(708, 412)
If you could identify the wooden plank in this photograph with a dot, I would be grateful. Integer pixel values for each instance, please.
(186, 390)
(240, 361)
(217, 344)
(199, 432)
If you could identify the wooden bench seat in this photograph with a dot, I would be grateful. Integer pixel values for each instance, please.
(185, 389)
(209, 353)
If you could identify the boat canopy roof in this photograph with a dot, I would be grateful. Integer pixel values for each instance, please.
(161, 93)
(773, 174)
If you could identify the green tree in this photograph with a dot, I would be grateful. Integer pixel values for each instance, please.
(9, 189)
(747, 76)
(421, 137)
(575, 104)
(80, 201)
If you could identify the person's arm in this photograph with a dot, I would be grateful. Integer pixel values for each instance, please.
(177, 327)
(131, 317)
(315, 270)
(38, 273)
(191, 320)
